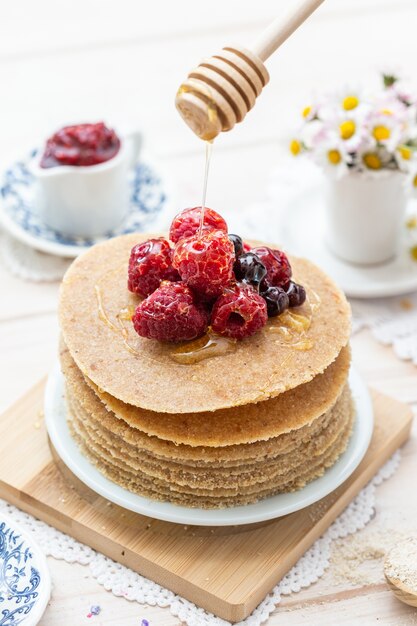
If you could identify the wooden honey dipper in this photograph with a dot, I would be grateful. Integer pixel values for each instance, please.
(222, 89)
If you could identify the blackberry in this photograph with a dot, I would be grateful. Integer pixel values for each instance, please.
(296, 294)
(249, 268)
(238, 244)
(277, 300)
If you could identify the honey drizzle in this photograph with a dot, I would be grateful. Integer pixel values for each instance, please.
(208, 346)
(209, 148)
(292, 326)
(124, 314)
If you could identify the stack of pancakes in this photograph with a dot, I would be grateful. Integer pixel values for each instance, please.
(265, 417)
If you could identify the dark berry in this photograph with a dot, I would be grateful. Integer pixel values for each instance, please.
(276, 299)
(205, 262)
(239, 312)
(249, 268)
(296, 294)
(277, 266)
(187, 223)
(171, 313)
(150, 263)
(238, 244)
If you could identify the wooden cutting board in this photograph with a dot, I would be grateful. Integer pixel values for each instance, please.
(226, 570)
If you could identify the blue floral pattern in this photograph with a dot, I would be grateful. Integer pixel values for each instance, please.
(19, 578)
(17, 191)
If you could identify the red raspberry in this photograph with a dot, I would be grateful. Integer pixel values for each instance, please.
(150, 263)
(171, 313)
(187, 223)
(246, 247)
(277, 265)
(239, 312)
(205, 262)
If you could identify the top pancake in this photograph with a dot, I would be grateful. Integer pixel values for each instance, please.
(141, 372)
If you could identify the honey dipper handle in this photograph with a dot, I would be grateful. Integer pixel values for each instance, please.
(281, 28)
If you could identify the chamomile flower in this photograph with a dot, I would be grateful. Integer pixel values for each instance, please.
(350, 128)
(386, 130)
(386, 105)
(404, 154)
(309, 112)
(332, 156)
(373, 158)
(349, 98)
(295, 147)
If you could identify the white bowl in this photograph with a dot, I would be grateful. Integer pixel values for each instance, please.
(86, 201)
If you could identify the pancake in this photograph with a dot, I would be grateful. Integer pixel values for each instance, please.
(236, 476)
(290, 411)
(142, 373)
(227, 457)
(154, 488)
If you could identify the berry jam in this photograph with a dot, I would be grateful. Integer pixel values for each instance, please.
(83, 144)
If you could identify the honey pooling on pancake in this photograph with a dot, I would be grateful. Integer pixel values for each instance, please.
(293, 325)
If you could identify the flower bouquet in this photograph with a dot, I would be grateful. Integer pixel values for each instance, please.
(366, 143)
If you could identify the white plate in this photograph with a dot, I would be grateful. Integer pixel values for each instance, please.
(150, 200)
(270, 508)
(303, 227)
(25, 583)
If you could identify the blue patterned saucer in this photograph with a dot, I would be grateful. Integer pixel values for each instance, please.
(149, 198)
(25, 584)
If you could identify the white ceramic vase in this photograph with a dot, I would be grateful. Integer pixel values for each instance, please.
(365, 216)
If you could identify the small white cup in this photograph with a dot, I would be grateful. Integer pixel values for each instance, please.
(87, 201)
(365, 216)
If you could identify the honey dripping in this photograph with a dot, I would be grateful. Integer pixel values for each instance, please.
(124, 315)
(209, 149)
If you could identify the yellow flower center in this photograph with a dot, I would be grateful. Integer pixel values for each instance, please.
(350, 102)
(386, 111)
(415, 181)
(405, 152)
(347, 129)
(381, 133)
(334, 157)
(413, 252)
(295, 147)
(306, 112)
(372, 161)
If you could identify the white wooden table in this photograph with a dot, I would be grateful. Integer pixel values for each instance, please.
(122, 61)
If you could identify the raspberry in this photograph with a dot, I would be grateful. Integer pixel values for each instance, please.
(187, 223)
(239, 312)
(171, 313)
(246, 247)
(277, 265)
(150, 263)
(205, 262)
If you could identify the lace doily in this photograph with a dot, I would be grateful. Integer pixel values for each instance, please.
(29, 264)
(392, 321)
(122, 581)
